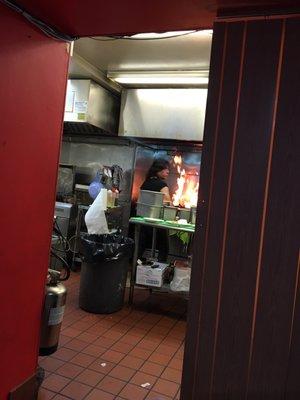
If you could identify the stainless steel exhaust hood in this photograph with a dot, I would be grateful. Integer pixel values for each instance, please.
(91, 108)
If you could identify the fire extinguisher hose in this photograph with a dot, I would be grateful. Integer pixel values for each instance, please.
(66, 267)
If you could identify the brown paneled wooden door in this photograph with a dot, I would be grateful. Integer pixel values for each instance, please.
(243, 339)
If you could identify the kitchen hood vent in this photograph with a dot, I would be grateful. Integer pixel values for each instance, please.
(90, 108)
(84, 128)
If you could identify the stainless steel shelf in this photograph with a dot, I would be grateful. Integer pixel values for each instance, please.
(165, 289)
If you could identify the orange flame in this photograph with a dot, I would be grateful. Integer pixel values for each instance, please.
(186, 194)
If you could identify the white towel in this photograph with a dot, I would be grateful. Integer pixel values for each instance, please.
(95, 217)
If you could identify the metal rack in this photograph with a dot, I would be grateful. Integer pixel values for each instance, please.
(138, 222)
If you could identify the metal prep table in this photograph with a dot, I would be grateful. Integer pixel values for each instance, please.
(138, 222)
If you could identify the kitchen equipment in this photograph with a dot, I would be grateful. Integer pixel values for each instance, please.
(65, 181)
(91, 105)
(151, 198)
(184, 213)
(56, 245)
(146, 210)
(65, 214)
(82, 195)
(169, 213)
(65, 225)
(193, 215)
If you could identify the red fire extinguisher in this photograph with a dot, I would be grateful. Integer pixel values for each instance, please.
(53, 312)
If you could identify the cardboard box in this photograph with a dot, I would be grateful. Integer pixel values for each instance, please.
(146, 275)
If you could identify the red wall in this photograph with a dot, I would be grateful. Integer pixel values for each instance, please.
(33, 73)
(92, 17)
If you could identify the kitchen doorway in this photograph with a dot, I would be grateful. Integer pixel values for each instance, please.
(152, 107)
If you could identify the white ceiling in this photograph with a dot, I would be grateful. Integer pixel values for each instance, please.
(188, 52)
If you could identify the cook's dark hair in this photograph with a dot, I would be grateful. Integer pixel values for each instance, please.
(157, 166)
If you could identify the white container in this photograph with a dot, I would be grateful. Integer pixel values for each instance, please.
(145, 275)
(151, 198)
(110, 199)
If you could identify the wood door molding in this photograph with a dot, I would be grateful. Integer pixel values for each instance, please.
(243, 336)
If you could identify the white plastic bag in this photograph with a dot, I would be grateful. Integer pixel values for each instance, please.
(95, 218)
(181, 280)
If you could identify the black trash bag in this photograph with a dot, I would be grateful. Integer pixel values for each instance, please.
(95, 248)
(104, 272)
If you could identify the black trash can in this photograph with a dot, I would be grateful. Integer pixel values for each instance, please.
(104, 272)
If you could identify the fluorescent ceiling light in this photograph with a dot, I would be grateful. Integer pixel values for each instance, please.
(206, 31)
(160, 78)
(164, 35)
(154, 35)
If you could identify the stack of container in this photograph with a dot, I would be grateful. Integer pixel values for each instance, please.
(150, 204)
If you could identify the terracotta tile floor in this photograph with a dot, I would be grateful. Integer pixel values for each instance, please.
(134, 354)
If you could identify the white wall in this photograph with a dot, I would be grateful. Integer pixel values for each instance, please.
(163, 113)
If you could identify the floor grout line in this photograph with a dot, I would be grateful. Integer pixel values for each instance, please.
(140, 317)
